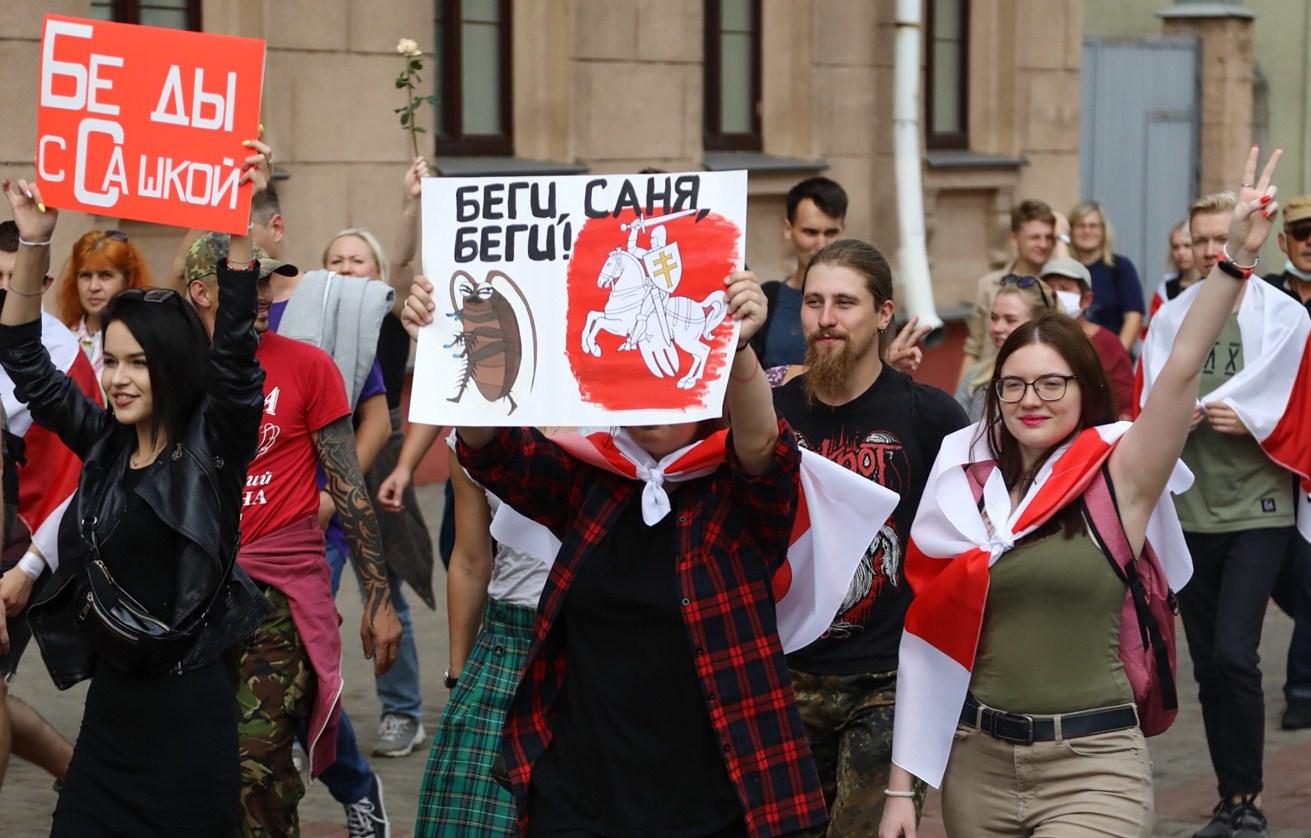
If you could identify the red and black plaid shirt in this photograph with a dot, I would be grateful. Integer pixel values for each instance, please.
(733, 531)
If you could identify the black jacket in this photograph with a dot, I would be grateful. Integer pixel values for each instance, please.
(195, 488)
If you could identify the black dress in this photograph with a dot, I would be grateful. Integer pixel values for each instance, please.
(157, 754)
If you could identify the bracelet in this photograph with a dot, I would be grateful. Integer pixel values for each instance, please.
(895, 793)
(45, 243)
(1249, 268)
(743, 345)
(14, 290)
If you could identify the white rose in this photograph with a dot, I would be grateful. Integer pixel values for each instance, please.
(408, 47)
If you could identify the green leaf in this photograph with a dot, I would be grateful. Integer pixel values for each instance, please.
(432, 100)
(405, 118)
(415, 65)
(416, 129)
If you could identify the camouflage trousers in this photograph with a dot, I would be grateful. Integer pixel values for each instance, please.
(275, 687)
(848, 719)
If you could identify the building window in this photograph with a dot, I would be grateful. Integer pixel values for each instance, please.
(174, 14)
(947, 58)
(732, 75)
(473, 76)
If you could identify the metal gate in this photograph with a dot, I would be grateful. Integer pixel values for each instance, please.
(1139, 138)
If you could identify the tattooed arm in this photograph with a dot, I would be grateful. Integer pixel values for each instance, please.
(380, 631)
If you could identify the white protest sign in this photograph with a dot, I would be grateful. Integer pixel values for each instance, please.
(580, 300)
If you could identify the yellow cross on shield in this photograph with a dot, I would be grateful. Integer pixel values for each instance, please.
(665, 267)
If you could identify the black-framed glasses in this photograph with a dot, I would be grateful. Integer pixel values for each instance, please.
(1299, 232)
(1049, 388)
(1025, 283)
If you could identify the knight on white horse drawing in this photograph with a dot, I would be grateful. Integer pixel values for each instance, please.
(643, 311)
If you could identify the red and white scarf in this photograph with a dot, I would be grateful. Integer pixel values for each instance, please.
(1272, 393)
(47, 483)
(948, 562)
(838, 516)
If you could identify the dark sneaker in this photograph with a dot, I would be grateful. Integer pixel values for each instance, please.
(1248, 821)
(367, 817)
(398, 736)
(1296, 716)
(1221, 825)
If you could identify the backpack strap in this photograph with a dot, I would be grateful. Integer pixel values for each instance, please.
(1103, 517)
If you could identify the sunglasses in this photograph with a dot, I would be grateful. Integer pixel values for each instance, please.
(1300, 231)
(116, 235)
(1025, 283)
(154, 295)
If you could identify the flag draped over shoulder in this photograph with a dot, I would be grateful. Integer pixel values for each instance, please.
(838, 516)
(48, 480)
(1272, 392)
(948, 561)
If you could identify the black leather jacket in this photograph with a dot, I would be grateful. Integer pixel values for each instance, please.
(195, 488)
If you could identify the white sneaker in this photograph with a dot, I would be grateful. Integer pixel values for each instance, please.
(398, 735)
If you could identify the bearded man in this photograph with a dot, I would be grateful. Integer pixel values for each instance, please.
(851, 406)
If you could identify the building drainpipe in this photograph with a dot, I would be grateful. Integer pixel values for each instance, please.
(917, 286)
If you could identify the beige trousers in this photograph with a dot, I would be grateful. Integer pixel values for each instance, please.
(1098, 785)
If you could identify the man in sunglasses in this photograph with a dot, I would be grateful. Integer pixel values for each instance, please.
(1293, 588)
(1295, 242)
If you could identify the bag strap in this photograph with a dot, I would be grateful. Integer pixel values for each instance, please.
(1103, 517)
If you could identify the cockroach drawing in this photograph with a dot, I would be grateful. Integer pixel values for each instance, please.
(490, 338)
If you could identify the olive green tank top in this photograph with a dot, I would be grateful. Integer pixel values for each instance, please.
(1051, 630)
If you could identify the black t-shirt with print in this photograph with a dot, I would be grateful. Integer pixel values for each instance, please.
(890, 434)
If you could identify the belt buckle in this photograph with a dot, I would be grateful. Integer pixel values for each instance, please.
(1011, 721)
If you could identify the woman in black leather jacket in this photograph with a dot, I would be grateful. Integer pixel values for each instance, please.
(147, 598)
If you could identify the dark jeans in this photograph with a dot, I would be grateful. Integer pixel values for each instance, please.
(1293, 594)
(1223, 608)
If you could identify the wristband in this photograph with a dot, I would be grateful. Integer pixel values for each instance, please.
(448, 680)
(45, 243)
(1236, 271)
(895, 793)
(1064, 238)
(1224, 249)
(32, 565)
(743, 345)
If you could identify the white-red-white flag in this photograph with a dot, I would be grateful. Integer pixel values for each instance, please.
(47, 481)
(838, 516)
(948, 561)
(1272, 392)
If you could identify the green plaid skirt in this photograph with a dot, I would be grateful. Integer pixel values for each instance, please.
(459, 796)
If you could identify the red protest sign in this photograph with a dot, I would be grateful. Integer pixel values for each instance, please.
(146, 123)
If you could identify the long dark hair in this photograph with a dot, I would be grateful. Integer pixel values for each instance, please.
(1097, 407)
(177, 350)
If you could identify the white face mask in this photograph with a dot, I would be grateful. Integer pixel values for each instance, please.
(1069, 301)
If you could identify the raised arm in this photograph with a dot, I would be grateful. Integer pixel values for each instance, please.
(55, 401)
(750, 402)
(401, 271)
(1142, 462)
(380, 631)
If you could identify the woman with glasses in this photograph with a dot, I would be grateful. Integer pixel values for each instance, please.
(103, 263)
(1019, 300)
(1117, 290)
(1035, 730)
(147, 598)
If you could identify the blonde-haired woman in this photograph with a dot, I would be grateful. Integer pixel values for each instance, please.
(1117, 291)
(1019, 300)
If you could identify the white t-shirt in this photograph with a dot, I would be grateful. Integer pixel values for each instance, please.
(517, 578)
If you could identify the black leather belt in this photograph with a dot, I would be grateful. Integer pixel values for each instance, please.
(1025, 730)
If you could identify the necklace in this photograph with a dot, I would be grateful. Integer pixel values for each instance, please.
(134, 462)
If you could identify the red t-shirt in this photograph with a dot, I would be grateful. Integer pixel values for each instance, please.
(303, 393)
(1119, 369)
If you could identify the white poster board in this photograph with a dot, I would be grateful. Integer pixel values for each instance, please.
(586, 300)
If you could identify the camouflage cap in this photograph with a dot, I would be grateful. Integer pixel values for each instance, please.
(205, 252)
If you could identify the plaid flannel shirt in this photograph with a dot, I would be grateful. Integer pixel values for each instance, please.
(733, 532)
